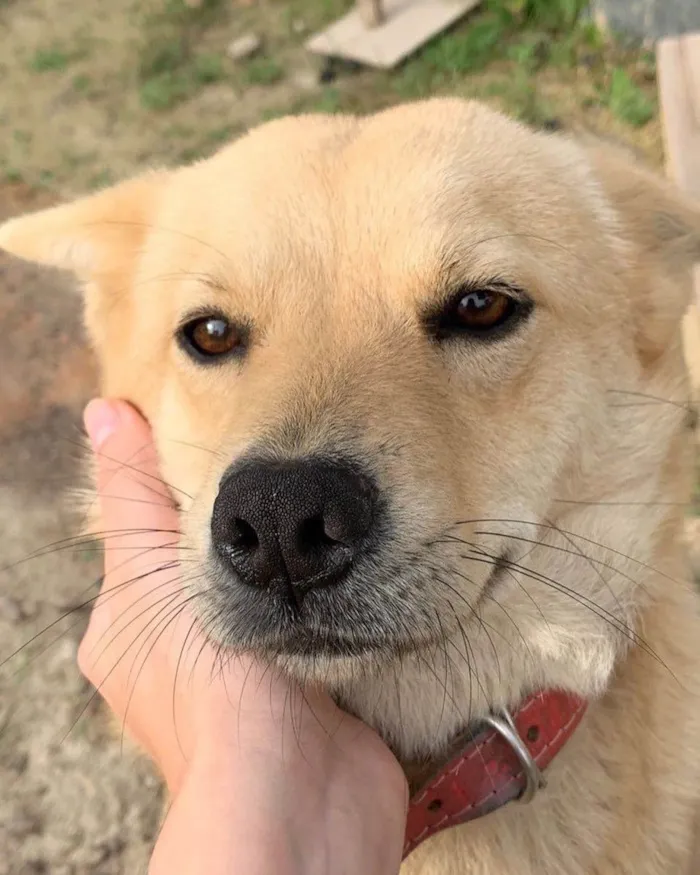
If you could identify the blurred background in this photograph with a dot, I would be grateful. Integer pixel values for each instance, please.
(93, 91)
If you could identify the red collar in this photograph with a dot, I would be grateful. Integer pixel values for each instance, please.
(499, 764)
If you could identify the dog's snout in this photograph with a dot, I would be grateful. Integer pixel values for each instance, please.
(299, 524)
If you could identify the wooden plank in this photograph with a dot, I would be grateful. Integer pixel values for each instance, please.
(678, 64)
(405, 26)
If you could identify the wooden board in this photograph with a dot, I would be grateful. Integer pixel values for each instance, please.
(406, 25)
(678, 64)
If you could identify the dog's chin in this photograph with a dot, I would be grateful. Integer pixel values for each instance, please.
(316, 658)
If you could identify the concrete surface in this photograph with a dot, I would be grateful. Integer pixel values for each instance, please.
(651, 19)
(70, 802)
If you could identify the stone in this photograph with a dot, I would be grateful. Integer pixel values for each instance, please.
(305, 80)
(244, 47)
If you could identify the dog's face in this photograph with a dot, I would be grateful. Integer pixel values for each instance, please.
(392, 367)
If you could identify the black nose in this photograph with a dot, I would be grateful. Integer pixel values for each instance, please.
(296, 524)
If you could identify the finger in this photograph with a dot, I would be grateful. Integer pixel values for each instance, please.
(136, 508)
(140, 525)
(127, 462)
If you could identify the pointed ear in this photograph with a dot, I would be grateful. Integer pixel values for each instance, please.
(95, 236)
(661, 227)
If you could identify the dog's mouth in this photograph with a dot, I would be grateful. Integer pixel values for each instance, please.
(362, 619)
(313, 645)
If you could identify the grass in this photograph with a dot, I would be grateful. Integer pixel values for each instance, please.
(13, 175)
(207, 68)
(177, 95)
(627, 101)
(101, 179)
(204, 143)
(164, 91)
(81, 83)
(263, 71)
(529, 34)
(170, 70)
(168, 84)
(50, 59)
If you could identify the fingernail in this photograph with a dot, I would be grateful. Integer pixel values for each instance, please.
(101, 419)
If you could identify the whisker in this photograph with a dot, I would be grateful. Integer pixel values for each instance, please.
(584, 601)
(124, 465)
(151, 605)
(564, 550)
(83, 540)
(100, 686)
(543, 525)
(655, 399)
(170, 618)
(216, 453)
(113, 591)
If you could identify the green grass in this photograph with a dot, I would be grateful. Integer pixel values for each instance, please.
(520, 97)
(627, 101)
(209, 141)
(164, 91)
(12, 175)
(329, 101)
(207, 68)
(263, 71)
(101, 179)
(165, 54)
(171, 85)
(528, 33)
(531, 52)
(169, 69)
(81, 83)
(50, 59)
(553, 15)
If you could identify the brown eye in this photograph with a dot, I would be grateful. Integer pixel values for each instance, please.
(482, 310)
(210, 337)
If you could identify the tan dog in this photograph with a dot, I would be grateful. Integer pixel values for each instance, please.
(417, 380)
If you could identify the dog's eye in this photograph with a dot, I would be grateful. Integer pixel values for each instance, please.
(479, 312)
(210, 337)
(482, 310)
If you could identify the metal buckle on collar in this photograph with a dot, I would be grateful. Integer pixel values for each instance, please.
(503, 723)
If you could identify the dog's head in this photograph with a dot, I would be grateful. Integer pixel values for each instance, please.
(402, 373)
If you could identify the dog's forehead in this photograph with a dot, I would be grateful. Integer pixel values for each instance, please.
(389, 200)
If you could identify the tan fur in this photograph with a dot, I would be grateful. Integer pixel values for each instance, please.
(330, 235)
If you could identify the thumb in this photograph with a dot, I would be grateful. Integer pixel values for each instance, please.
(136, 509)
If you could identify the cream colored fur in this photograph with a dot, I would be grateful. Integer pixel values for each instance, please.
(330, 235)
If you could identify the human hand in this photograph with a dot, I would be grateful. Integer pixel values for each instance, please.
(287, 776)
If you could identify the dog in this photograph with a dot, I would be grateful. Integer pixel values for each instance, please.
(417, 382)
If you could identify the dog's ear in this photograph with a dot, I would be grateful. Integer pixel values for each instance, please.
(661, 229)
(97, 236)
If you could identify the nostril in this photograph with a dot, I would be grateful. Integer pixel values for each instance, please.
(312, 534)
(244, 535)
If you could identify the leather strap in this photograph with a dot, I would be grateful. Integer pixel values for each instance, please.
(487, 773)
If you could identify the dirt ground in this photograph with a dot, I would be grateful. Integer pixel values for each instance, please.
(89, 93)
(70, 802)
